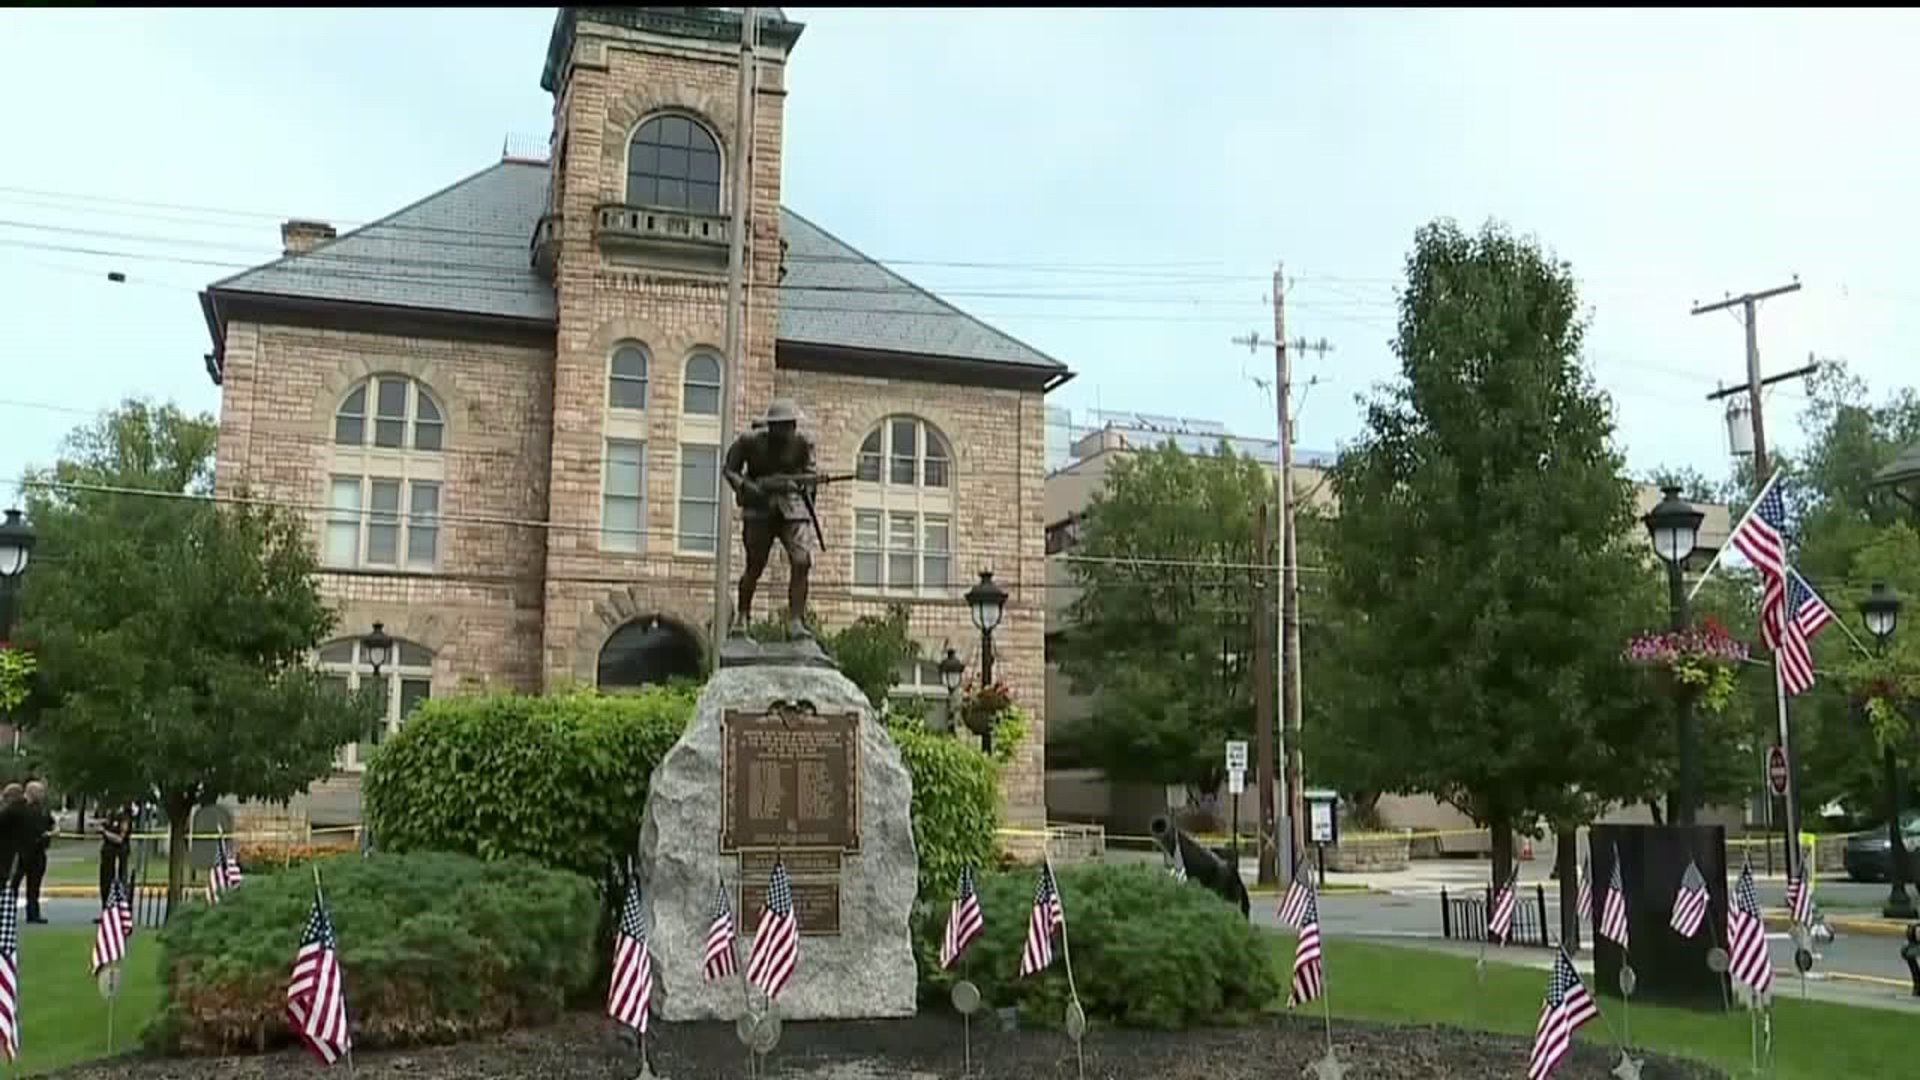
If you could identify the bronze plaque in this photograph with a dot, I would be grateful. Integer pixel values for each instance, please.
(790, 781)
(759, 864)
(816, 903)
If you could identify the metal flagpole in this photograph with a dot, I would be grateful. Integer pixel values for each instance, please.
(346, 1023)
(1066, 955)
(1708, 572)
(966, 1022)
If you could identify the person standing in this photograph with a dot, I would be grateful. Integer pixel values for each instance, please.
(36, 835)
(14, 827)
(116, 839)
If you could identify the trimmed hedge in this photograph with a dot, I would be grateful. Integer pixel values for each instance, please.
(561, 779)
(267, 856)
(1148, 951)
(956, 806)
(433, 948)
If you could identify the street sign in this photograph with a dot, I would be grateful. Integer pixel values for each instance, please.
(1777, 770)
(1236, 755)
(1236, 781)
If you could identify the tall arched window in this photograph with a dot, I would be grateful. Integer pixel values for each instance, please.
(673, 162)
(627, 376)
(700, 387)
(405, 681)
(903, 508)
(384, 488)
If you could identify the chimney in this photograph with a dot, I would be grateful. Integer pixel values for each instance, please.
(299, 237)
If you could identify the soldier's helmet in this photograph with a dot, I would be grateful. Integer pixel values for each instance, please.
(783, 411)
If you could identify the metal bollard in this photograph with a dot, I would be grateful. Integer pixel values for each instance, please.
(1910, 952)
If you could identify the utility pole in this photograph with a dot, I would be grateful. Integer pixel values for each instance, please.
(1264, 670)
(1288, 661)
(735, 320)
(1749, 305)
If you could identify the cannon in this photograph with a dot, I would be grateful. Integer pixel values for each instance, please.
(1204, 867)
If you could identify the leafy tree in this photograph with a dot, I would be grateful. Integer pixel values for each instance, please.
(1484, 547)
(174, 632)
(870, 650)
(1163, 628)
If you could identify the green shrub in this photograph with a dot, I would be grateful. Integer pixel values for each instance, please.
(1148, 951)
(561, 779)
(267, 856)
(956, 806)
(433, 948)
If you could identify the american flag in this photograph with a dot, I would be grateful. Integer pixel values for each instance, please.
(1748, 962)
(1613, 914)
(1690, 902)
(1800, 897)
(225, 874)
(1307, 976)
(721, 962)
(1179, 869)
(1792, 652)
(1583, 907)
(1293, 902)
(316, 1003)
(630, 991)
(10, 969)
(1566, 1008)
(116, 926)
(1047, 916)
(1500, 923)
(776, 944)
(1761, 535)
(964, 921)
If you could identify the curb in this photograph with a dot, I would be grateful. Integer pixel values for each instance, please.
(1326, 890)
(1867, 927)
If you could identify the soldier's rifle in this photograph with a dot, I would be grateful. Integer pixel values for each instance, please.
(807, 486)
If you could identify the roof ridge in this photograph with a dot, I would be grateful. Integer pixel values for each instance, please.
(924, 291)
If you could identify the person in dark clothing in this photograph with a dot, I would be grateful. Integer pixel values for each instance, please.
(33, 841)
(14, 826)
(116, 834)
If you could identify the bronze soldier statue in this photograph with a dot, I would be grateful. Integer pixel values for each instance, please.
(770, 469)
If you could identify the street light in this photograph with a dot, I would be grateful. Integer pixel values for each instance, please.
(988, 602)
(379, 647)
(1881, 612)
(951, 670)
(1674, 525)
(16, 546)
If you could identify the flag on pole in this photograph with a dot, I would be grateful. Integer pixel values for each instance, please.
(1046, 917)
(1566, 1008)
(1293, 902)
(316, 1002)
(964, 921)
(225, 873)
(1583, 907)
(776, 944)
(721, 963)
(10, 969)
(1761, 536)
(630, 991)
(116, 926)
(1690, 902)
(1748, 962)
(1613, 915)
(1793, 651)
(1800, 898)
(1307, 975)
(1500, 922)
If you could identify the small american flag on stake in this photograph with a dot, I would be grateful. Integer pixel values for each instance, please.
(1566, 1008)
(225, 874)
(1613, 914)
(1294, 902)
(116, 926)
(1800, 896)
(720, 962)
(1307, 975)
(1747, 937)
(1690, 902)
(1583, 906)
(964, 921)
(776, 944)
(316, 1002)
(1047, 916)
(10, 969)
(1500, 922)
(630, 991)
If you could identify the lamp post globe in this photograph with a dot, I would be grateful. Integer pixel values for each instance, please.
(16, 545)
(1881, 611)
(951, 669)
(379, 647)
(988, 601)
(1674, 526)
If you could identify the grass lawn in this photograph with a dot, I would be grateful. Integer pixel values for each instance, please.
(1812, 1040)
(63, 1019)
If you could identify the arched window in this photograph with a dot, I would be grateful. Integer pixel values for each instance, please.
(903, 508)
(405, 681)
(673, 162)
(700, 387)
(648, 650)
(384, 487)
(627, 376)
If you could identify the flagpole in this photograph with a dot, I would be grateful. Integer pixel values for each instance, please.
(346, 1022)
(1790, 823)
(1708, 572)
(1066, 949)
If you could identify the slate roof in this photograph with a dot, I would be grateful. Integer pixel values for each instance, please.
(1904, 468)
(465, 249)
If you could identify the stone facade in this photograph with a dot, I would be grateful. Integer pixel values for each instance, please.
(522, 591)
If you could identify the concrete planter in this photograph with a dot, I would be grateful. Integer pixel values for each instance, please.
(1374, 852)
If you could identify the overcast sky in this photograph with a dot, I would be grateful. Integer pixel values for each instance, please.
(1131, 177)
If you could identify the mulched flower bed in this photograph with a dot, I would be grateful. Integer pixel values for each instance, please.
(591, 1048)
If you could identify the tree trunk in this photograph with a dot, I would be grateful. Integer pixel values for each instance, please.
(179, 823)
(1502, 831)
(1658, 817)
(1566, 865)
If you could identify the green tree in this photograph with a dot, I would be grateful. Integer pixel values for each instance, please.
(174, 632)
(1484, 548)
(1162, 633)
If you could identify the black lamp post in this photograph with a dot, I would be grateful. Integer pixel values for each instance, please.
(951, 669)
(988, 602)
(16, 547)
(1674, 525)
(379, 648)
(1881, 612)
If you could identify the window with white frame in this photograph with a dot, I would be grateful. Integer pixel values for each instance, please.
(627, 376)
(389, 412)
(623, 496)
(917, 686)
(404, 682)
(384, 487)
(382, 523)
(699, 509)
(700, 386)
(903, 509)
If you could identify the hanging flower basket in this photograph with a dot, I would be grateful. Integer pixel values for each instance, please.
(980, 705)
(1701, 659)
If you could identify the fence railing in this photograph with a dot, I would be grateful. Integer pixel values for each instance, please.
(1464, 918)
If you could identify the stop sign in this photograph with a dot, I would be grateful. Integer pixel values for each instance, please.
(1777, 770)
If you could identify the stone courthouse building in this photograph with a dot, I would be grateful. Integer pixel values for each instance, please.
(499, 406)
